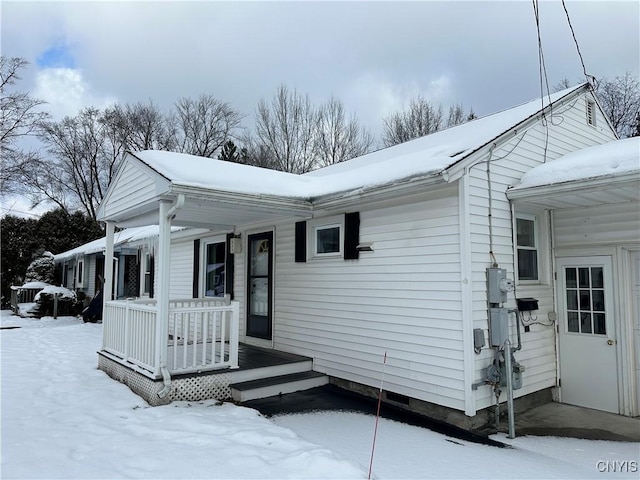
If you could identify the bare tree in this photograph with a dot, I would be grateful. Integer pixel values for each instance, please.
(203, 125)
(286, 128)
(456, 115)
(20, 117)
(620, 99)
(420, 118)
(83, 151)
(338, 138)
(142, 126)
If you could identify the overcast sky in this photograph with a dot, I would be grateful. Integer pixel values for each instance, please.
(373, 56)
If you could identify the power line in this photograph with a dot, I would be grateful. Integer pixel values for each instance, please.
(575, 40)
(544, 80)
(12, 210)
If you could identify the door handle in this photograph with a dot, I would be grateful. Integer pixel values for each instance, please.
(611, 342)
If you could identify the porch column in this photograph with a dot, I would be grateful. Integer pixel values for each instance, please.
(107, 281)
(163, 258)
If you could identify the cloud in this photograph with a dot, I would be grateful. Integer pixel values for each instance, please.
(375, 96)
(66, 92)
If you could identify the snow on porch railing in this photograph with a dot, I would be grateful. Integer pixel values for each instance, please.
(202, 334)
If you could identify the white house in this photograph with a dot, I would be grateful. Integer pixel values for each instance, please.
(389, 254)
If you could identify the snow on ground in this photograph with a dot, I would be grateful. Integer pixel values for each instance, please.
(63, 418)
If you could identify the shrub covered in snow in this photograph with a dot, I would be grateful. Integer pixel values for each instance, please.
(41, 269)
(67, 302)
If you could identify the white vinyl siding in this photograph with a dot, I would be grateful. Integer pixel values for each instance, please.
(601, 225)
(181, 279)
(403, 298)
(525, 151)
(134, 187)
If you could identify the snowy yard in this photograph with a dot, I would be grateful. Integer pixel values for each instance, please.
(63, 418)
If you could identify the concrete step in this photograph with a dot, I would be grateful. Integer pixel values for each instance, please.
(269, 387)
(249, 374)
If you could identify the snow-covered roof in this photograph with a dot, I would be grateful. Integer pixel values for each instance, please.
(608, 160)
(426, 156)
(127, 235)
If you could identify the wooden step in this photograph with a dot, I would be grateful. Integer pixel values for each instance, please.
(281, 384)
(256, 373)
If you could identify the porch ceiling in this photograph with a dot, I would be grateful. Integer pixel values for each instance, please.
(580, 193)
(215, 210)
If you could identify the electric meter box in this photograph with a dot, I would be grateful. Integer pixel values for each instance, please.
(498, 285)
(498, 326)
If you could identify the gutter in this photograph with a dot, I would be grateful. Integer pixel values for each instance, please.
(572, 186)
(384, 191)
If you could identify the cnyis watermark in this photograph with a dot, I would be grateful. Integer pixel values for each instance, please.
(619, 466)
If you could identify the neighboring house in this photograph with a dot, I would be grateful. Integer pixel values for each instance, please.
(82, 268)
(389, 254)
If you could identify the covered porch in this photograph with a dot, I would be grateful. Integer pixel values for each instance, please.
(169, 348)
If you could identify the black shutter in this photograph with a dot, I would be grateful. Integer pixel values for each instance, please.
(301, 241)
(152, 271)
(228, 267)
(196, 268)
(351, 235)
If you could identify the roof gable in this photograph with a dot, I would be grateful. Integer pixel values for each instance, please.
(133, 185)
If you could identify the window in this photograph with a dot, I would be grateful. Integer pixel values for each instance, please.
(147, 277)
(527, 247)
(214, 269)
(80, 273)
(591, 113)
(327, 239)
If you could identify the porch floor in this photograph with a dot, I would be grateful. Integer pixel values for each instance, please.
(249, 357)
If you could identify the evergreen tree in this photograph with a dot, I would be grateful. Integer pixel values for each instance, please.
(229, 152)
(41, 269)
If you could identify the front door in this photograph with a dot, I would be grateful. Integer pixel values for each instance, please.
(259, 279)
(587, 340)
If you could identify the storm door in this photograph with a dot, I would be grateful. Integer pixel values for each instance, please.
(259, 284)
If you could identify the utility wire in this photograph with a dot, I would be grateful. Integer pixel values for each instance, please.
(575, 40)
(544, 80)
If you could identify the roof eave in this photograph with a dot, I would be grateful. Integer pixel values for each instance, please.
(513, 130)
(581, 185)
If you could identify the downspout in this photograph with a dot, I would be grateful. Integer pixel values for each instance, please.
(163, 302)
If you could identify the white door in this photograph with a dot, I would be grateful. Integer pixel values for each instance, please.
(635, 310)
(587, 340)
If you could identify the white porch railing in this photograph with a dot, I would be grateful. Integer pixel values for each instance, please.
(202, 334)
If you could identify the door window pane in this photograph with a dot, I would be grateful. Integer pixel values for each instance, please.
(572, 299)
(597, 277)
(598, 300)
(259, 296)
(585, 300)
(260, 257)
(583, 277)
(572, 322)
(599, 324)
(214, 269)
(585, 322)
(571, 278)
